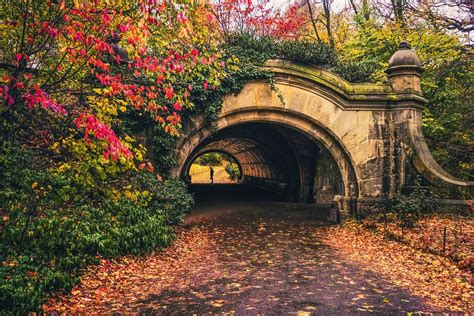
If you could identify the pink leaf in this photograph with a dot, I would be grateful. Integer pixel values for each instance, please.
(92, 125)
(124, 27)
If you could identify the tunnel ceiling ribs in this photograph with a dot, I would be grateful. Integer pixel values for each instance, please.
(261, 150)
(269, 155)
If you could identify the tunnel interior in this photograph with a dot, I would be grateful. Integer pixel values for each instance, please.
(277, 159)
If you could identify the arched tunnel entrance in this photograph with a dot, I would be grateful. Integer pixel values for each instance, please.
(275, 160)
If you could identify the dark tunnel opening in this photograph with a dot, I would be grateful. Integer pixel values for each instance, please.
(276, 163)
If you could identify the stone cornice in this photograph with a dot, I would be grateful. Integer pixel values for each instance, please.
(347, 95)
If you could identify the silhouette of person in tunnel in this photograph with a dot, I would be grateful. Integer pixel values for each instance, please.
(211, 174)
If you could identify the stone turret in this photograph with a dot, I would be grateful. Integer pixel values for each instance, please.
(404, 70)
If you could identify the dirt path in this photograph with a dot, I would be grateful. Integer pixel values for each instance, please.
(266, 258)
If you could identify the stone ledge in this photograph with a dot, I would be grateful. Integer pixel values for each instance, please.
(352, 96)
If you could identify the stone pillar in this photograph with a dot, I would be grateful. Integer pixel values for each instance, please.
(404, 70)
(390, 130)
(404, 76)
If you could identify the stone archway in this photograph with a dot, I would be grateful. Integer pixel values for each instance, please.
(372, 132)
(199, 141)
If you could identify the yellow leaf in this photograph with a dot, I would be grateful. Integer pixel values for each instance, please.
(75, 292)
(34, 185)
(233, 285)
(218, 303)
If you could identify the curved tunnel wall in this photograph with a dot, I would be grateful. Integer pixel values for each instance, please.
(264, 155)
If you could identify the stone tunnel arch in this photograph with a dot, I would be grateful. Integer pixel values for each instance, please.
(201, 137)
(372, 132)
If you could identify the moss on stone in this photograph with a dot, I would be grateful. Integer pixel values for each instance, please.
(327, 78)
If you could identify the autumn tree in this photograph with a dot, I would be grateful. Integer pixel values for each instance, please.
(63, 54)
(259, 17)
(76, 77)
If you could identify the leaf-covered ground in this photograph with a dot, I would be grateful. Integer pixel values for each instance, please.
(428, 235)
(436, 279)
(272, 259)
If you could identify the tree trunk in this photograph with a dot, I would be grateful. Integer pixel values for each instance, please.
(327, 15)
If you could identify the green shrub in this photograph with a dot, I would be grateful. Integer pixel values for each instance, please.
(249, 46)
(356, 71)
(261, 48)
(258, 49)
(58, 244)
(209, 159)
(233, 171)
(169, 198)
(409, 208)
(46, 239)
(304, 52)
